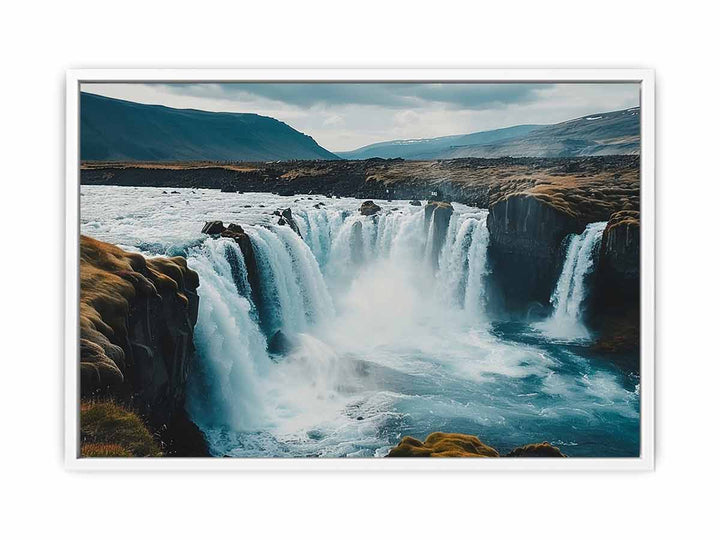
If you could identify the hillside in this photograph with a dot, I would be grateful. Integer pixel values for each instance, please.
(432, 148)
(601, 134)
(113, 129)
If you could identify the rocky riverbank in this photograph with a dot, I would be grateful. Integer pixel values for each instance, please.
(473, 181)
(136, 342)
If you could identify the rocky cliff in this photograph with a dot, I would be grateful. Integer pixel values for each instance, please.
(528, 222)
(440, 444)
(525, 251)
(614, 307)
(136, 337)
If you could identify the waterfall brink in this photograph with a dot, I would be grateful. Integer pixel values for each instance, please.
(566, 321)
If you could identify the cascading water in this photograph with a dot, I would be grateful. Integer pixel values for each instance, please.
(463, 263)
(385, 343)
(566, 321)
(230, 346)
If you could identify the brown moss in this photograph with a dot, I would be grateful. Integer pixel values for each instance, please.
(111, 279)
(109, 430)
(544, 449)
(440, 444)
(624, 218)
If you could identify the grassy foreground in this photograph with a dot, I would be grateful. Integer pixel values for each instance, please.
(109, 430)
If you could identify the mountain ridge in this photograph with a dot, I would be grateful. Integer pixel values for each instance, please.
(611, 133)
(115, 129)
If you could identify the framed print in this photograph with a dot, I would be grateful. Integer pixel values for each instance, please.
(360, 269)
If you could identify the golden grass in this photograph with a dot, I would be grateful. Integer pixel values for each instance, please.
(109, 430)
(103, 450)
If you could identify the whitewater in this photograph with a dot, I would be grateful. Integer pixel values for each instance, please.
(387, 341)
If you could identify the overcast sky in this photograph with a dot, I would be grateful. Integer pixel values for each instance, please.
(343, 116)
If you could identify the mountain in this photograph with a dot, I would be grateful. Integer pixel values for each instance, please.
(117, 130)
(433, 148)
(600, 134)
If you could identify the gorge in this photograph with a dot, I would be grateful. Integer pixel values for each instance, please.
(324, 330)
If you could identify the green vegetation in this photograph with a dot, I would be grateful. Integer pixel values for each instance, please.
(109, 430)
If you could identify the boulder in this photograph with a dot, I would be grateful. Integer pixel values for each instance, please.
(286, 218)
(369, 208)
(213, 227)
(415, 202)
(440, 444)
(541, 450)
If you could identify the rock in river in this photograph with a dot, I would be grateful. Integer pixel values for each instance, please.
(369, 208)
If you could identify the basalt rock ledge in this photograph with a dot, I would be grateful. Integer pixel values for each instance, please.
(137, 317)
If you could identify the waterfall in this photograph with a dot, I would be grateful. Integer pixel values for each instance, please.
(293, 291)
(571, 288)
(381, 277)
(463, 263)
(231, 349)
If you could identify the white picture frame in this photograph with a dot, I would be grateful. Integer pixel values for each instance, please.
(646, 79)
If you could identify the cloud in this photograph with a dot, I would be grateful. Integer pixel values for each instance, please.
(389, 95)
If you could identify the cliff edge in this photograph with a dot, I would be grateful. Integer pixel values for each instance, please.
(137, 317)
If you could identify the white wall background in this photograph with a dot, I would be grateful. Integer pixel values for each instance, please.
(38, 42)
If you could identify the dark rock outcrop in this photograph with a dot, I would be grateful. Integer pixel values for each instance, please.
(620, 249)
(213, 227)
(544, 449)
(614, 306)
(437, 219)
(415, 202)
(286, 218)
(237, 233)
(525, 252)
(597, 186)
(136, 333)
(440, 444)
(369, 208)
